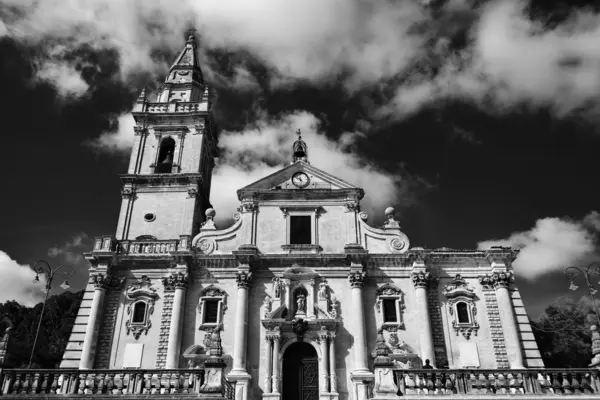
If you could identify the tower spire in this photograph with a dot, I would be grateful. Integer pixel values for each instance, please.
(300, 149)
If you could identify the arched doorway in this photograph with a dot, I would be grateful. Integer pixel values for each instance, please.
(300, 372)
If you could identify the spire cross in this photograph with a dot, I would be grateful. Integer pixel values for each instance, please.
(299, 134)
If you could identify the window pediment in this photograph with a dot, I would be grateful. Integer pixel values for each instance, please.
(390, 306)
(141, 297)
(211, 307)
(462, 307)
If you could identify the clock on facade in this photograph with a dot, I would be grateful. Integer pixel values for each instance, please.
(300, 180)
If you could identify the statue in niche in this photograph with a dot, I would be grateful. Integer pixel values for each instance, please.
(323, 290)
(277, 285)
(301, 304)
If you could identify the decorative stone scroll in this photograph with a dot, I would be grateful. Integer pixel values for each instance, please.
(141, 297)
(462, 307)
(390, 295)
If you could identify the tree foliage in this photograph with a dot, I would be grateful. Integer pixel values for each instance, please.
(563, 333)
(59, 316)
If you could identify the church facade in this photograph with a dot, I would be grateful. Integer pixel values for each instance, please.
(301, 291)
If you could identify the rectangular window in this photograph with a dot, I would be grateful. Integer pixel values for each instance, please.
(389, 311)
(211, 311)
(300, 229)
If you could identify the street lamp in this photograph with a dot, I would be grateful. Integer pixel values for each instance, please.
(592, 269)
(64, 271)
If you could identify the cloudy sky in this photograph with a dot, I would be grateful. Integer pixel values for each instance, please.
(478, 120)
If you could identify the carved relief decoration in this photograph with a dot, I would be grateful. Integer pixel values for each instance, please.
(141, 297)
(391, 293)
(462, 307)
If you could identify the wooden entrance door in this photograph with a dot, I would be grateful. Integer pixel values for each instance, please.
(300, 373)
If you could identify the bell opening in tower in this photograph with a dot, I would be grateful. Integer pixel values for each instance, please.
(165, 157)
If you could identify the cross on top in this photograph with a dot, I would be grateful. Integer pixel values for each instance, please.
(299, 134)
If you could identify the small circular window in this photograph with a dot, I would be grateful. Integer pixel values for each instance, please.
(149, 217)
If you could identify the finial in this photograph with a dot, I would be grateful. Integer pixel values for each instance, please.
(300, 150)
(192, 37)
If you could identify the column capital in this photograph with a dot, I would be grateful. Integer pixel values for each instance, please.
(273, 336)
(420, 279)
(323, 334)
(356, 279)
(496, 280)
(105, 282)
(175, 281)
(243, 279)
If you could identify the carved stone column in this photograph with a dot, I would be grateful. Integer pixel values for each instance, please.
(324, 367)
(88, 351)
(360, 337)
(500, 281)
(332, 373)
(269, 364)
(276, 339)
(420, 279)
(178, 283)
(243, 279)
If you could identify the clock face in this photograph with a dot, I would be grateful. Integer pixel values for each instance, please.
(300, 179)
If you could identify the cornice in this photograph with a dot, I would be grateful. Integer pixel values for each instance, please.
(185, 178)
(294, 194)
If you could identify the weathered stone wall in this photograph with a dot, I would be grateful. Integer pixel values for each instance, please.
(165, 323)
(493, 317)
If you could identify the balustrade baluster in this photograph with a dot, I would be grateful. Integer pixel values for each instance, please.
(82, 379)
(119, 383)
(575, 385)
(556, 385)
(16, 384)
(566, 384)
(594, 382)
(429, 383)
(101, 383)
(26, 383)
(502, 383)
(421, 383)
(44, 385)
(410, 383)
(438, 385)
(110, 384)
(155, 384)
(54, 384)
(585, 384)
(35, 384)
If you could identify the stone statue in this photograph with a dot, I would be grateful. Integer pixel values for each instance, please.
(323, 290)
(277, 284)
(301, 303)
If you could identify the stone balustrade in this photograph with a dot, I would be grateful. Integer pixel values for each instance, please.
(178, 107)
(25, 383)
(484, 383)
(148, 247)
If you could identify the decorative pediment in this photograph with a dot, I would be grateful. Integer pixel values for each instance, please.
(312, 178)
(458, 288)
(213, 291)
(389, 290)
(142, 288)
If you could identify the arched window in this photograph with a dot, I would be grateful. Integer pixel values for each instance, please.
(165, 156)
(462, 310)
(139, 313)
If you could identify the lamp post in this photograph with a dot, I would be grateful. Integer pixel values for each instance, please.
(64, 271)
(592, 269)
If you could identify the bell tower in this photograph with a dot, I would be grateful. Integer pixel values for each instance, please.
(167, 187)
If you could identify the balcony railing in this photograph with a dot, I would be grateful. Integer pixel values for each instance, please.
(178, 107)
(31, 383)
(533, 382)
(148, 247)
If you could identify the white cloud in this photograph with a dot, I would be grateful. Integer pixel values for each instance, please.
(119, 141)
(17, 282)
(266, 147)
(552, 245)
(67, 80)
(71, 250)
